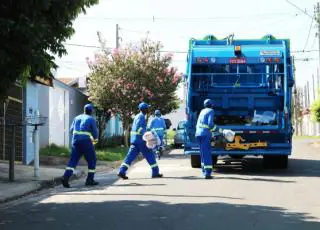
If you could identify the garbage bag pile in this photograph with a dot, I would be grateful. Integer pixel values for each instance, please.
(152, 140)
(229, 135)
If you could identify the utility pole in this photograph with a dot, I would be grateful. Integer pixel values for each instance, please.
(317, 18)
(313, 88)
(117, 36)
(308, 95)
(296, 107)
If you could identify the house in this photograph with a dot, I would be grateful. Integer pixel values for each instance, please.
(114, 127)
(60, 104)
(12, 111)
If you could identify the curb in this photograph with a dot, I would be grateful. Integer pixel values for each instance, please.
(44, 185)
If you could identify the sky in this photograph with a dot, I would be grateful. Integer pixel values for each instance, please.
(175, 21)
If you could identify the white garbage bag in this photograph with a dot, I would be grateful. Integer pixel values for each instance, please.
(151, 139)
(228, 135)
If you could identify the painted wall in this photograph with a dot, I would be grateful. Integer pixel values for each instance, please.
(32, 106)
(114, 127)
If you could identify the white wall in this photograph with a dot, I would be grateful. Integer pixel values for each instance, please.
(59, 116)
(32, 105)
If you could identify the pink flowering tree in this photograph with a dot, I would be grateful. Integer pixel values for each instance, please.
(120, 79)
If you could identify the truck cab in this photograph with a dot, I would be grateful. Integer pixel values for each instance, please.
(250, 83)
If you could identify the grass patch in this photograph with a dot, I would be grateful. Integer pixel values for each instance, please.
(103, 154)
(111, 154)
(170, 137)
(54, 150)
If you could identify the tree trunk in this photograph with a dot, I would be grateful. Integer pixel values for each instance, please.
(126, 135)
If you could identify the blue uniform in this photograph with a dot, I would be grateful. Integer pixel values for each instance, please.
(84, 130)
(158, 125)
(139, 145)
(205, 127)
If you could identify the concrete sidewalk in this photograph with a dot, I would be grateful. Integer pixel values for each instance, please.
(25, 183)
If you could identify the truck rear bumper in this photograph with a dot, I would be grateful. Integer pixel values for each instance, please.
(273, 149)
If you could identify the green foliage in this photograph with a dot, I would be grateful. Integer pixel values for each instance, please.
(103, 154)
(121, 79)
(32, 31)
(55, 150)
(315, 110)
(112, 154)
(111, 142)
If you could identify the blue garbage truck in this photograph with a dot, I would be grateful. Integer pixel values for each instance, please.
(250, 83)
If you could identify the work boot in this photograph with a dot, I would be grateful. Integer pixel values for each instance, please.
(123, 176)
(65, 182)
(208, 177)
(91, 182)
(157, 176)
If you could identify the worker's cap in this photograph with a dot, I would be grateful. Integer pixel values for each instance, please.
(143, 105)
(157, 112)
(208, 103)
(88, 108)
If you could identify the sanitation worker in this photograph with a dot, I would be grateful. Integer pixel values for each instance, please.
(205, 127)
(158, 125)
(85, 134)
(139, 145)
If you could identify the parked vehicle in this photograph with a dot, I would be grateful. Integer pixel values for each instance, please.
(179, 135)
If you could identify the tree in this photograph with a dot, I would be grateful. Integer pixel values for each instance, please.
(31, 32)
(315, 109)
(121, 79)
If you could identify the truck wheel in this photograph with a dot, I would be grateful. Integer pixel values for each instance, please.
(276, 162)
(214, 160)
(195, 161)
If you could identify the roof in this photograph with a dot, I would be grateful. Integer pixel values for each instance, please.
(68, 80)
(43, 79)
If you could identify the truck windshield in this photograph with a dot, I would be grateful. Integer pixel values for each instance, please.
(260, 74)
(259, 118)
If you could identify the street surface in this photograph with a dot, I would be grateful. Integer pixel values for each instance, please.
(248, 198)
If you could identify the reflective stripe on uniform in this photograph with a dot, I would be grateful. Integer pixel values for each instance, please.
(91, 170)
(70, 168)
(207, 127)
(154, 165)
(136, 132)
(207, 167)
(125, 164)
(158, 129)
(82, 133)
(214, 128)
(204, 126)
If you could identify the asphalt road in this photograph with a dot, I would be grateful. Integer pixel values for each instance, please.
(241, 198)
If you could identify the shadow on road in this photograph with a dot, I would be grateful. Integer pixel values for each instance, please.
(146, 215)
(149, 194)
(254, 166)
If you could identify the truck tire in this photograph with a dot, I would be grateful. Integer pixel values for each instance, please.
(195, 161)
(276, 162)
(214, 160)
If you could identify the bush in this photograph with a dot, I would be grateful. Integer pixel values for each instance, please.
(315, 110)
(111, 142)
(55, 150)
(103, 154)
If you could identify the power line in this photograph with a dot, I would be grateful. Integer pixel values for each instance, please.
(171, 51)
(154, 18)
(305, 45)
(298, 8)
